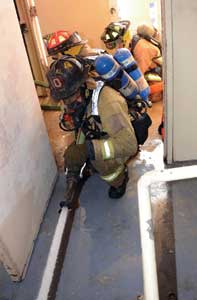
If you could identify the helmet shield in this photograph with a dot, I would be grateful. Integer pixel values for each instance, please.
(66, 76)
(74, 40)
(61, 41)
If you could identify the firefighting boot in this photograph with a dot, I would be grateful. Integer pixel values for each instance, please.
(118, 192)
(71, 199)
(74, 184)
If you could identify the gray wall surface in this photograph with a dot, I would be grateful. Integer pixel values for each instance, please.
(180, 26)
(27, 166)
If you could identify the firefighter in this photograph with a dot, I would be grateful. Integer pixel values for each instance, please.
(117, 35)
(63, 42)
(105, 136)
(145, 45)
(146, 48)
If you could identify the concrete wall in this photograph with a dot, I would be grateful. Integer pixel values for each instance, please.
(87, 17)
(27, 167)
(90, 17)
(181, 79)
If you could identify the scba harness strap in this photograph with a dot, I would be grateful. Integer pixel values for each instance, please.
(140, 119)
(92, 124)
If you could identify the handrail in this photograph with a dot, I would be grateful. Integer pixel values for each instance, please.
(150, 279)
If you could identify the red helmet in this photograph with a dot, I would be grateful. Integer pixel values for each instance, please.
(63, 40)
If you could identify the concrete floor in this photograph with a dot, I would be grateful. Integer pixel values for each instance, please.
(103, 260)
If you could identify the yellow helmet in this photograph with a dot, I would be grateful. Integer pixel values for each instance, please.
(116, 33)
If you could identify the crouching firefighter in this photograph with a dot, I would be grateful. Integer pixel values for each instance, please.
(105, 137)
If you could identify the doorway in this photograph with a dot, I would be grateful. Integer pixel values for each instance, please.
(146, 11)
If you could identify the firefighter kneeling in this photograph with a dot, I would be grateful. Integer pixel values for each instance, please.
(105, 136)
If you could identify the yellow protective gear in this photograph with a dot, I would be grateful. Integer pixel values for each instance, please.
(126, 38)
(75, 50)
(145, 54)
(114, 175)
(113, 151)
(153, 77)
(82, 50)
(121, 142)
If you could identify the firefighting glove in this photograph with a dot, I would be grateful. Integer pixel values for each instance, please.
(75, 156)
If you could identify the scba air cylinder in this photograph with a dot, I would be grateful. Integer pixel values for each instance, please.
(124, 57)
(112, 72)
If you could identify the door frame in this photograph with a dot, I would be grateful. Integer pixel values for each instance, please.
(33, 41)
